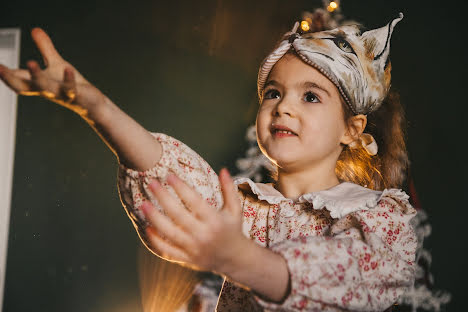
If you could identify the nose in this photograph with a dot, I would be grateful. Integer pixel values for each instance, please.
(284, 107)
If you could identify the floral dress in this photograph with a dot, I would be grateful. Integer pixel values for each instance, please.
(348, 248)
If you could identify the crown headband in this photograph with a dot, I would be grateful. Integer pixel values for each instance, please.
(357, 64)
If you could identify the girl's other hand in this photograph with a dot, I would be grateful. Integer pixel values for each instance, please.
(59, 82)
(196, 235)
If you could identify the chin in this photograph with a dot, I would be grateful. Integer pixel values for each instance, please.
(281, 159)
(281, 156)
(287, 165)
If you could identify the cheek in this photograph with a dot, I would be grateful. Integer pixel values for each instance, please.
(325, 131)
(258, 130)
(262, 123)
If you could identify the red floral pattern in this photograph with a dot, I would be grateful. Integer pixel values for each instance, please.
(361, 261)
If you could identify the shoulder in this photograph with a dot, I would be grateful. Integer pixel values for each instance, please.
(396, 199)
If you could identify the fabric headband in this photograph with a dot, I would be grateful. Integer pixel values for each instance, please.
(357, 64)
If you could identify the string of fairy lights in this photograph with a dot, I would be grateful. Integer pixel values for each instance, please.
(308, 18)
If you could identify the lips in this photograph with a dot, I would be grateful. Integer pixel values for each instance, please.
(280, 129)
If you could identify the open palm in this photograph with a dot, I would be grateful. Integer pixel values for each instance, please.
(59, 82)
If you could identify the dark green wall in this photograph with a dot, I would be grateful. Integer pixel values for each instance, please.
(188, 68)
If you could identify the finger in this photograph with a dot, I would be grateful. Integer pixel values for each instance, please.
(34, 69)
(231, 199)
(40, 82)
(163, 248)
(14, 82)
(166, 227)
(45, 46)
(37, 76)
(190, 197)
(69, 85)
(21, 73)
(181, 216)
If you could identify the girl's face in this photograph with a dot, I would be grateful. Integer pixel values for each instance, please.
(300, 121)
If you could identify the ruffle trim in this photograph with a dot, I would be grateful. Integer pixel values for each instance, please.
(130, 179)
(263, 191)
(159, 169)
(401, 197)
(339, 200)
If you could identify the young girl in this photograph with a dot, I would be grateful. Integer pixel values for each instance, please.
(330, 234)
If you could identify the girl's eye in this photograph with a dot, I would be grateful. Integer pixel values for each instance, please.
(271, 94)
(311, 97)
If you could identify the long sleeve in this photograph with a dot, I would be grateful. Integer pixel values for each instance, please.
(364, 264)
(177, 158)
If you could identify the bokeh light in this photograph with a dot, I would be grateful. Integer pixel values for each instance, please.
(305, 26)
(332, 6)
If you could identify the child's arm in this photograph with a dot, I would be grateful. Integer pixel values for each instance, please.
(176, 158)
(61, 83)
(212, 240)
(365, 264)
(142, 155)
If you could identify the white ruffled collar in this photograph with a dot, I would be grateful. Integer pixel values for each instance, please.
(340, 200)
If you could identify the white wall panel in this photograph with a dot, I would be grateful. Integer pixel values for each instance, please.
(9, 56)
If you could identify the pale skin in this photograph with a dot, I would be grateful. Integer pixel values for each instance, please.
(299, 97)
(195, 235)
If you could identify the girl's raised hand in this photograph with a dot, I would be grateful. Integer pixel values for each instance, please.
(197, 235)
(59, 82)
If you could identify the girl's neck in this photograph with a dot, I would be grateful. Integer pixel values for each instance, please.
(293, 184)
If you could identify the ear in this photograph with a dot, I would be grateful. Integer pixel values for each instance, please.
(355, 127)
(377, 41)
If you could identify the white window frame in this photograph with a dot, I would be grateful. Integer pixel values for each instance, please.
(9, 56)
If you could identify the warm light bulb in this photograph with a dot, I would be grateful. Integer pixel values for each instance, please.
(332, 6)
(305, 26)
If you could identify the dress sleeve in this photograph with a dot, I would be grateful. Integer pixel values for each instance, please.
(365, 263)
(176, 158)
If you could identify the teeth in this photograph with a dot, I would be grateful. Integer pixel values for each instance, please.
(284, 131)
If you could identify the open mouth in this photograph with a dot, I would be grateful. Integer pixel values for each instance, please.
(279, 130)
(283, 132)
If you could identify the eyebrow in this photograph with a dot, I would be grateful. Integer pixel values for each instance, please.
(306, 84)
